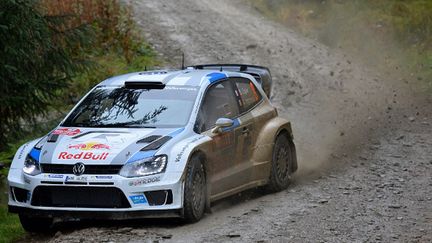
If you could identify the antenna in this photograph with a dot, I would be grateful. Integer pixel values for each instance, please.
(183, 66)
(221, 69)
(145, 68)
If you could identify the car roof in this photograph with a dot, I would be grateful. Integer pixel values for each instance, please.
(187, 77)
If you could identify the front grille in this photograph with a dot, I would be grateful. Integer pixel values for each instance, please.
(89, 169)
(78, 196)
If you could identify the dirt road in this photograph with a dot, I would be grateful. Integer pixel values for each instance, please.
(364, 143)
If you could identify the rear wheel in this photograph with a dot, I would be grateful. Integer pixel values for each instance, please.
(35, 224)
(282, 162)
(195, 191)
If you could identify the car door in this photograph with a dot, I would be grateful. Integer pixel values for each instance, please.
(219, 102)
(248, 97)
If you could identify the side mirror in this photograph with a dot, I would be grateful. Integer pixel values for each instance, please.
(222, 123)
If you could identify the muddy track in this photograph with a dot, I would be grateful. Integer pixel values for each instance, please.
(364, 143)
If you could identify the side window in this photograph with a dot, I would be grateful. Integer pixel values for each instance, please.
(247, 93)
(219, 101)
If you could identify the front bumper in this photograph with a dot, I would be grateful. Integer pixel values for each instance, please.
(135, 192)
(96, 215)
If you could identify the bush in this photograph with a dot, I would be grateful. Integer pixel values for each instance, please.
(56, 51)
(39, 57)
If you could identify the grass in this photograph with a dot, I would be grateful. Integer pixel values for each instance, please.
(10, 227)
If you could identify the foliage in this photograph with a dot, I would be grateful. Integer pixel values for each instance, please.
(37, 60)
(46, 43)
(101, 32)
(388, 34)
(10, 227)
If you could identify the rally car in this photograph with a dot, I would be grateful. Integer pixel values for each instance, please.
(155, 144)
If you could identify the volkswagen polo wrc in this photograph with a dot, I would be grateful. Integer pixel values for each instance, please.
(155, 144)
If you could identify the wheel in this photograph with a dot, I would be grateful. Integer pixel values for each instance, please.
(33, 224)
(195, 191)
(282, 164)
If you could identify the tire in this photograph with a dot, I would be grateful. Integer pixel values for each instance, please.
(37, 225)
(282, 164)
(195, 191)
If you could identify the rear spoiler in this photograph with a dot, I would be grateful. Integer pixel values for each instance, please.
(261, 74)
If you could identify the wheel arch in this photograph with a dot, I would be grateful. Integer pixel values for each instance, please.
(265, 142)
(200, 151)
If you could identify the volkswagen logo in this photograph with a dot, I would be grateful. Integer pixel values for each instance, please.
(78, 169)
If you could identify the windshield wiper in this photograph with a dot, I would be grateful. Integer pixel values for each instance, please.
(113, 125)
(139, 126)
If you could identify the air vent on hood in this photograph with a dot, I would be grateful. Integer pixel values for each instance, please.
(149, 139)
(157, 144)
(53, 138)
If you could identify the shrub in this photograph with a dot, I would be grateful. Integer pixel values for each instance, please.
(39, 56)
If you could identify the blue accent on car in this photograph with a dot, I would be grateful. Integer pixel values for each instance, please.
(176, 132)
(138, 199)
(213, 77)
(236, 123)
(35, 154)
(141, 155)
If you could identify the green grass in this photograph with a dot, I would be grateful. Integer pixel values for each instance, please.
(10, 227)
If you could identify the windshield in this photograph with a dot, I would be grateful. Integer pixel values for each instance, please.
(122, 107)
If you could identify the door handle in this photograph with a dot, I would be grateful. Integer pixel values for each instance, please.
(245, 130)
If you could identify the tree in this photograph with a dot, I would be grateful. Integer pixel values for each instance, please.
(38, 56)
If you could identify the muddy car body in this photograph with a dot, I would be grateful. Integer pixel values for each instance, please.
(155, 144)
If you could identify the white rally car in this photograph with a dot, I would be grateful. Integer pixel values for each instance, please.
(155, 144)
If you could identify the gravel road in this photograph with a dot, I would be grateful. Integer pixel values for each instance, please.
(364, 141)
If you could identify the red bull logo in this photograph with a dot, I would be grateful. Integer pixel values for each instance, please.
(89, 146)
(83, 156)
(66, 131)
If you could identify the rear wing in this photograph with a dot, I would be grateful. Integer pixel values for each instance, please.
(261, 74)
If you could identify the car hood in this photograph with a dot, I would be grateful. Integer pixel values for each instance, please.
(99, 145)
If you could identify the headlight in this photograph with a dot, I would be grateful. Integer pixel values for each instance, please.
(145, 167)
(31, 166)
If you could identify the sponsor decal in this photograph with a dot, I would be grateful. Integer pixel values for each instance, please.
(83, 156)
(76, 178)
(89, 146)
(66, 131)
(144, 181)
(223, 140)
(180, 155)
(104, 177)
(138, 199)
(181, 88)
(54, 176)
(21, 153)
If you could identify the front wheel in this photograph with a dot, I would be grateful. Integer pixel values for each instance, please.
(35, 224)
(282, 164)
(195, 191)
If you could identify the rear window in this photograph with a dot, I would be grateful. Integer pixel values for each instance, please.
(247, 94)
